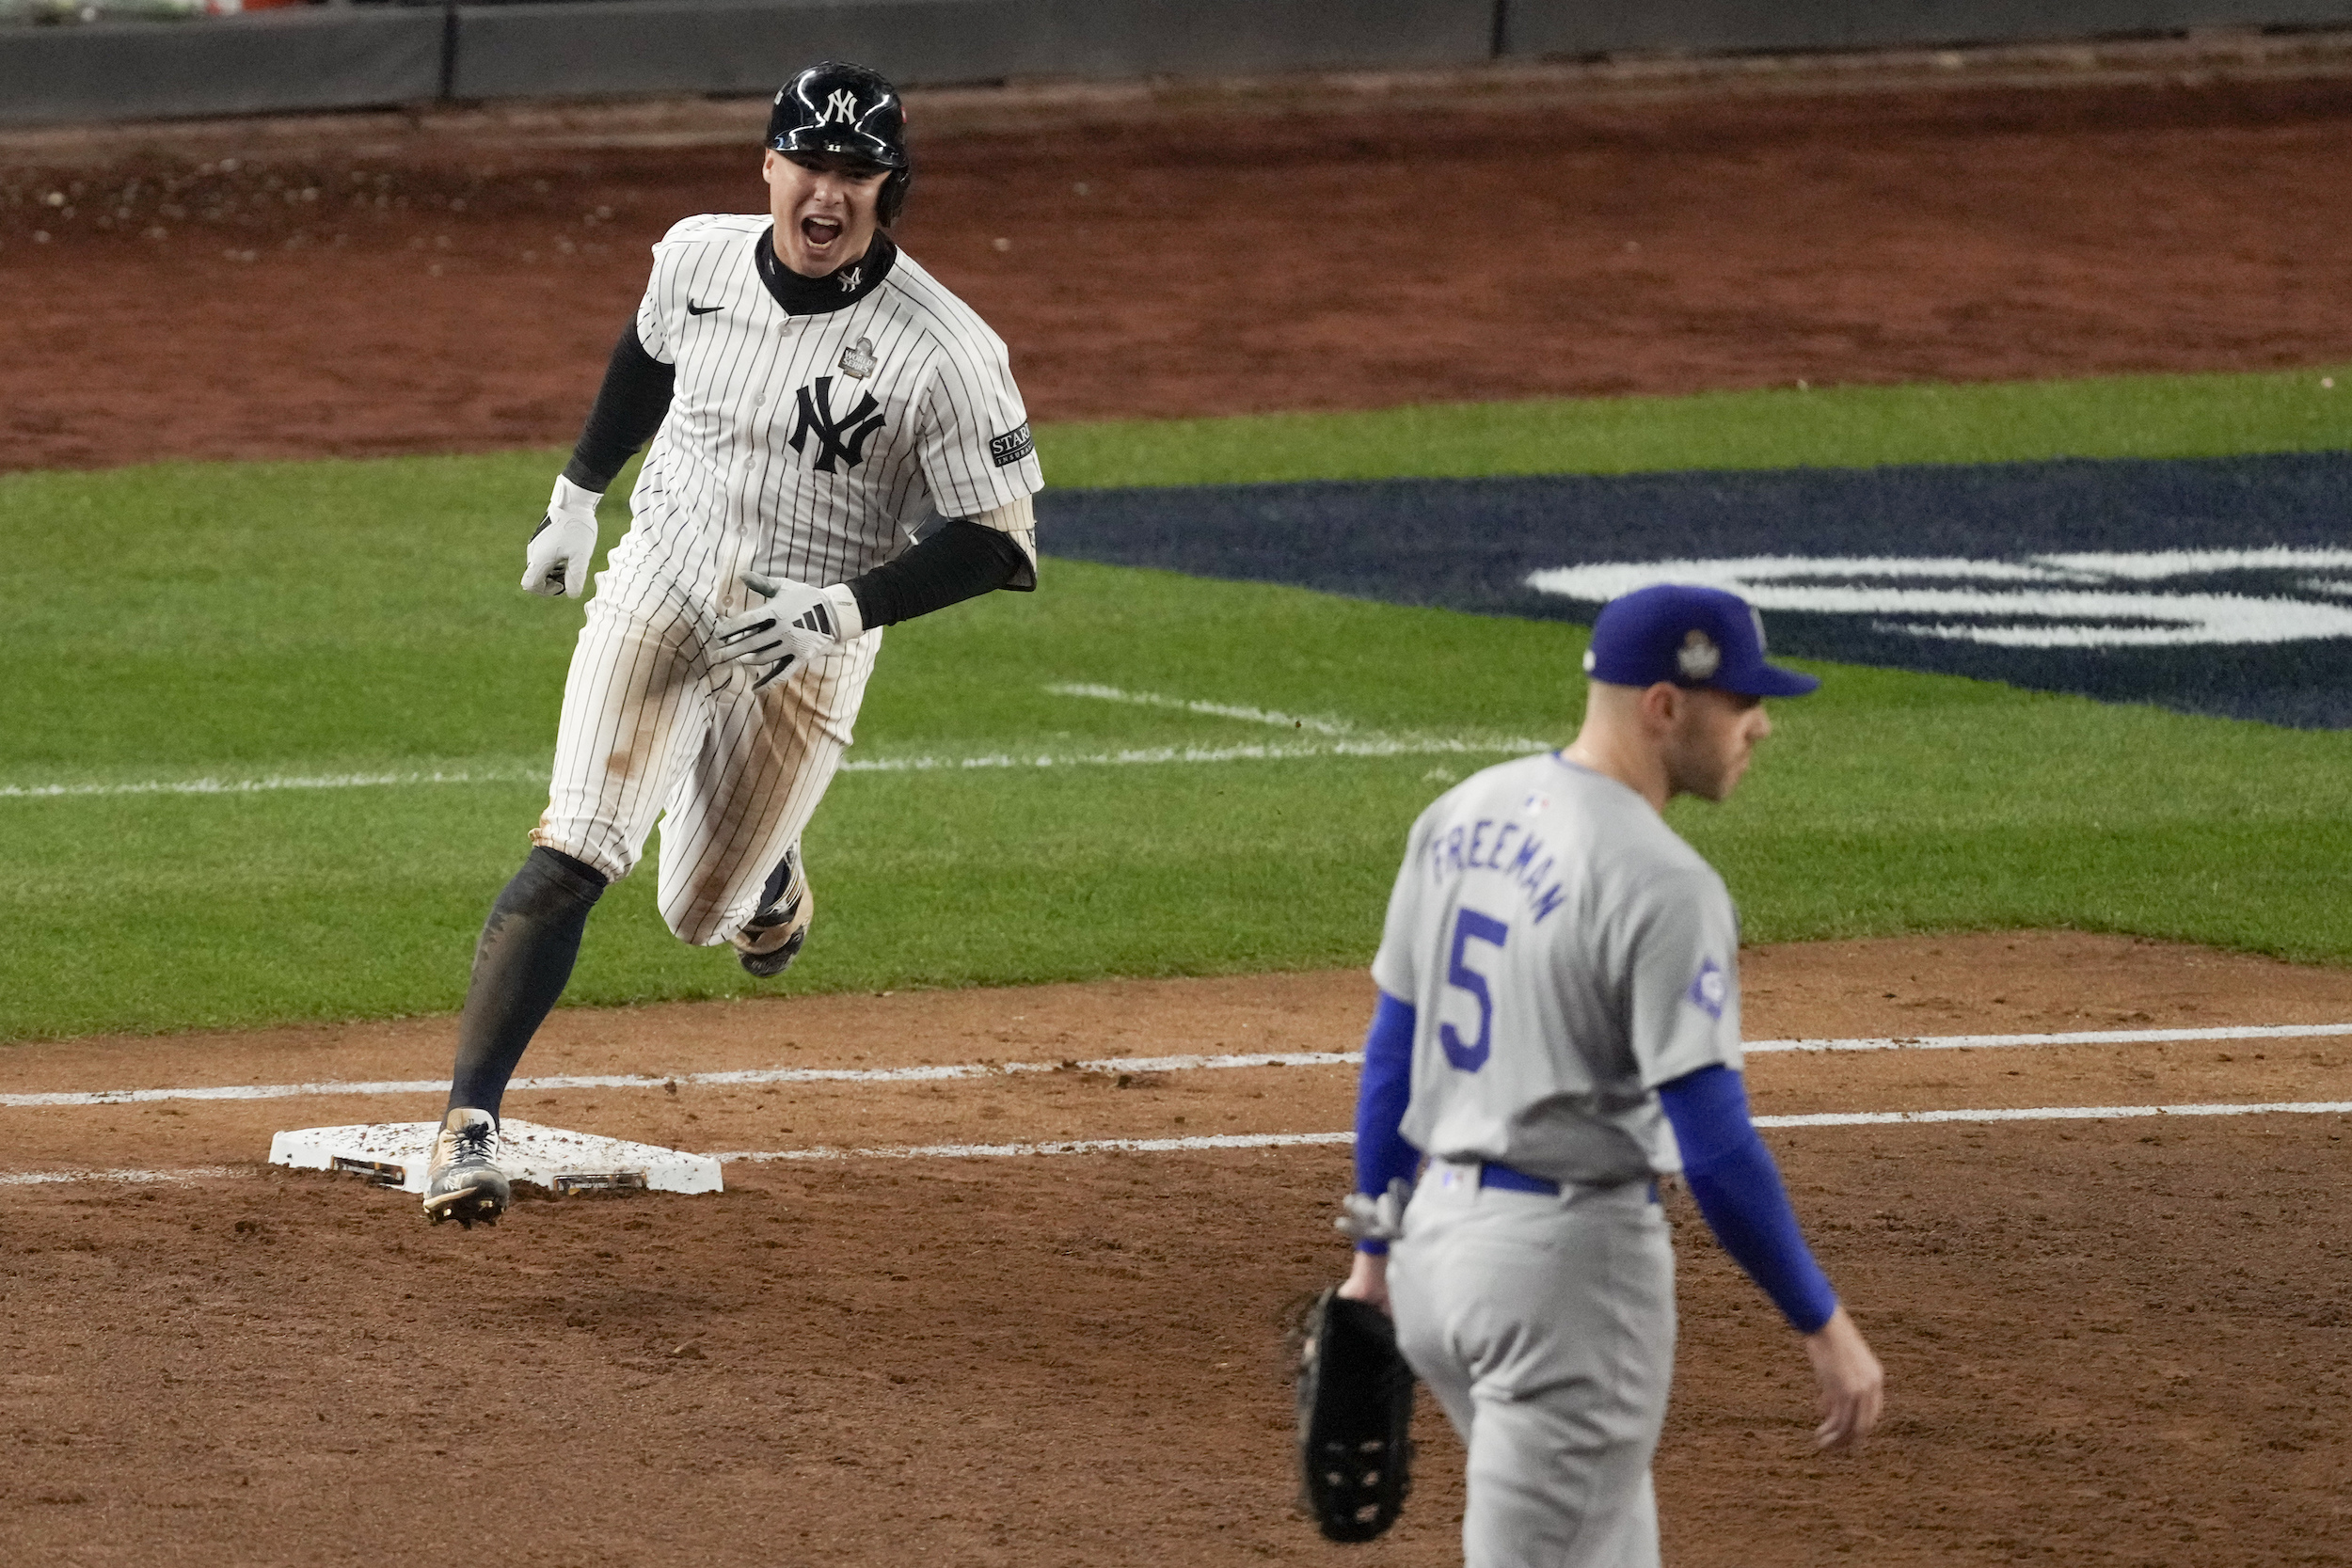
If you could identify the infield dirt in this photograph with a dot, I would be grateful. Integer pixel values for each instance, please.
(2116, 1341)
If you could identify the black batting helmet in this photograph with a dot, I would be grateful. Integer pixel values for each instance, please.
(835, 106)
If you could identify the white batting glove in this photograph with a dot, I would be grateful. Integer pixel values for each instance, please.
(1376, 1219)
(797, 623)
(557, 561)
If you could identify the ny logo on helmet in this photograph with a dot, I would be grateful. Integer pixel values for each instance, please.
(841, 105)
(839, 440)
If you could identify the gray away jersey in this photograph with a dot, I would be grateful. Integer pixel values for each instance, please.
(808, 447)
(1565, 953)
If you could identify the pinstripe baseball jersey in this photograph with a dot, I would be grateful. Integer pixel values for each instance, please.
(809, 446)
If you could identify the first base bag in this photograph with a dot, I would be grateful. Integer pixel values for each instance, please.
(1354, 1407)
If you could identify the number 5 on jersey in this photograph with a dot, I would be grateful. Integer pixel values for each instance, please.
(1469, 925)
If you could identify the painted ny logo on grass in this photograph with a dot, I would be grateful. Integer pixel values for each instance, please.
(840, 441)
(2148, 599)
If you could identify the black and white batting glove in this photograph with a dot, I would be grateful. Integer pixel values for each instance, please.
(564, 544)
(797, 623)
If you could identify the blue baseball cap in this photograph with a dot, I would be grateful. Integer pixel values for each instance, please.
(1690, 636)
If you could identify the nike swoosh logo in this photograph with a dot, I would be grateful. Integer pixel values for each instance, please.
(694, 310)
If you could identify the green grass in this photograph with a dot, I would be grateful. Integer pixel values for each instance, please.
(2145, 415)
(244, 621)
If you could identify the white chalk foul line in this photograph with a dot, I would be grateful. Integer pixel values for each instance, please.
(930, 1152)
(1313, 724)
(1143, 757)
(689, 1080)
(270, 783)
(1340, 738)
(47, 1177)
(2079, 1037)
(1152, 756)
(1291, 1140)
(1205, 709)
(1113, 1064)
(2059, 1113)
(1079, 1146)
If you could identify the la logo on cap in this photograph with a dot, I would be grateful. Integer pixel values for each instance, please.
(1698, 658)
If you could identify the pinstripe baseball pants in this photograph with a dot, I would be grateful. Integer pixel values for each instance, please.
(652, 729)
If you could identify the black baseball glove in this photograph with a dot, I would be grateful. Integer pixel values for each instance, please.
(1354, 1407)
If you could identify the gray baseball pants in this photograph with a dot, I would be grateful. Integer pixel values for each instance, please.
(1546, 1327)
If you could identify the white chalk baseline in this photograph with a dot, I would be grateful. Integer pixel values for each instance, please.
(1341, 738)
(922, 1075)
(1207, 1141)
(1211, 1141)
(946, 1071)
(2078, 1037)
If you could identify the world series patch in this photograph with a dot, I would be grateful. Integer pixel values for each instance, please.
(1011, 447)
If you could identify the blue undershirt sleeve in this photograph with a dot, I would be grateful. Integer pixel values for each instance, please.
(1382, 1155)
(1739, 1193)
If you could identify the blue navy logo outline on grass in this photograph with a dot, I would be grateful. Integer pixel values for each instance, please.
(1488, 546)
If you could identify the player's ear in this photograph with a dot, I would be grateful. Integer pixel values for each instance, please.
(768, 163)
(1661, 705)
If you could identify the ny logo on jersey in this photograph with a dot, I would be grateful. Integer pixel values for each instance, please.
(839, 440)
(841, 106)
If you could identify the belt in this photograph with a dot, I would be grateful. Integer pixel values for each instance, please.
(1495, 1174)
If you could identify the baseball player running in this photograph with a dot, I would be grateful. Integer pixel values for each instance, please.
(813, 396)
(1558, 1027)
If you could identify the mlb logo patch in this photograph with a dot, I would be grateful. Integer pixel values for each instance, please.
(1709, 992)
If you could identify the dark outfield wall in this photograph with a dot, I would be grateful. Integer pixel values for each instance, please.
(321, 58)
(2219, 586)
(636, 46)
(1539, 27)
(345, 56)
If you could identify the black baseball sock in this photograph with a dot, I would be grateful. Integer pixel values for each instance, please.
(519, 968)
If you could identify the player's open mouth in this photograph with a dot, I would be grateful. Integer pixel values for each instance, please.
(820, 233)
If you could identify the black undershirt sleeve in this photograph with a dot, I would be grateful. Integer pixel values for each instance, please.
(629, 410)
(963, 561)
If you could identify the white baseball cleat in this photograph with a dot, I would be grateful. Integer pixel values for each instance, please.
(463, 1181)
(772, 939)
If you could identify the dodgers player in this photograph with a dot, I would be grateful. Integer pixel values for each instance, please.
(1559, 1027)
(813, 395)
